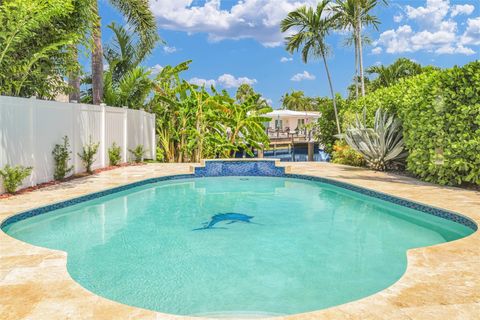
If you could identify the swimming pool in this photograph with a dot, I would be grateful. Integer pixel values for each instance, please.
(214, 245)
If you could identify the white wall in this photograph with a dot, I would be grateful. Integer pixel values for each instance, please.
(291, 122)
(30, 128)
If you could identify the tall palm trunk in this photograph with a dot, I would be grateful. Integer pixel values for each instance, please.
(97, 59)
(74, 78)
(356, 66)
(360, 53)
(332, 93)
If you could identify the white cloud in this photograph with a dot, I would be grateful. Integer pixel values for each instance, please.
(466, 9)
(286, 59)
(430, 15)
(434, 31)
(169, 50)
(255, 19)
(203, 82)
(229, 81)
(377, 50)
(471, 36)
(398, 18)
(225, 80)
(453, 50)
(305, 75)
(156, 69)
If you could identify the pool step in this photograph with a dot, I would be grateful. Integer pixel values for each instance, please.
(238, 315)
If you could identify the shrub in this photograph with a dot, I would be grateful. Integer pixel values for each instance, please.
(440, 113)
(343, 154)
(114, 156)
(88, 154)
(381, 145)
(14, 176)
(326, 126)
(138, 153)
(61, 156)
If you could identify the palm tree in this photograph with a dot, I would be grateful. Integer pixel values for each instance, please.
(353, 15)
(139, 16)
(313, 27)
(389, 75)
(295, 101)
(126, 83)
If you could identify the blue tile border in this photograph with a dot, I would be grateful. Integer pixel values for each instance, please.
(240, 168)
(248, 168)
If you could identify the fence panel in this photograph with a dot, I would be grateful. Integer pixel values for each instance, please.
(30, 128)
(116, 130)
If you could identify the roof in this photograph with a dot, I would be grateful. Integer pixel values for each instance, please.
(292, 113)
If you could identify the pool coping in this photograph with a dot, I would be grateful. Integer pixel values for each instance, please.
(334, 312)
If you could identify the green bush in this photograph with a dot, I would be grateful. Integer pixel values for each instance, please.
(13, 177)
(114, 156)
(440, 112)
(61, 156)
(138, 153)
(88, 154)
(326, 126)
(343, 154)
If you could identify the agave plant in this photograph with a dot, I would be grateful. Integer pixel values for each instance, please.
(381, 145)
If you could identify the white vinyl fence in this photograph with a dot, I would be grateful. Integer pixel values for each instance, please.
(30, 128)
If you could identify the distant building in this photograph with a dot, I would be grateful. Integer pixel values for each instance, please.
(289, 121)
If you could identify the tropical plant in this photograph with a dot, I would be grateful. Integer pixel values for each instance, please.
(193, 124)
(35, 41)
(126, 83)
(389, 75)
(312, 27)
(344, 154)
(380, 145)
(325, 127)
(114, 155)
(13, 176)
(246, 92)
(244, 126)
(88, 154)
(138, 15)
(138, 153)
(61, 156)
(354, 15)
(296, 100)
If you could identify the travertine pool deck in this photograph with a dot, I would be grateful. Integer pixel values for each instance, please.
(441, 282)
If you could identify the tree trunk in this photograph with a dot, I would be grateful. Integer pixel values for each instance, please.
(356, 65)
(360, 55)
(97, 60)
(332, 93)
(74, 78)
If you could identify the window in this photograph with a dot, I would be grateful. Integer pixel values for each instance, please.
(300, 123)
(279, 124)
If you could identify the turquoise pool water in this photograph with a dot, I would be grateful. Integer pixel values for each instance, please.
(290, 246)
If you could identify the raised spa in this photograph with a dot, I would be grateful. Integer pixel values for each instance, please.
(236, 245)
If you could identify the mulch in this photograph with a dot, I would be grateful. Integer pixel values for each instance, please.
(73, 177)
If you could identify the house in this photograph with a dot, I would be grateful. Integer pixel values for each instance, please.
(289, 121)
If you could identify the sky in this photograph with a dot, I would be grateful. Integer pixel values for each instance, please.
(239, 41)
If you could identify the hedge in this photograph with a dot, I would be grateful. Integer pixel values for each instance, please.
(440, 111)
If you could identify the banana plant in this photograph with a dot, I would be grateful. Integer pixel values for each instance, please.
(381, 145)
